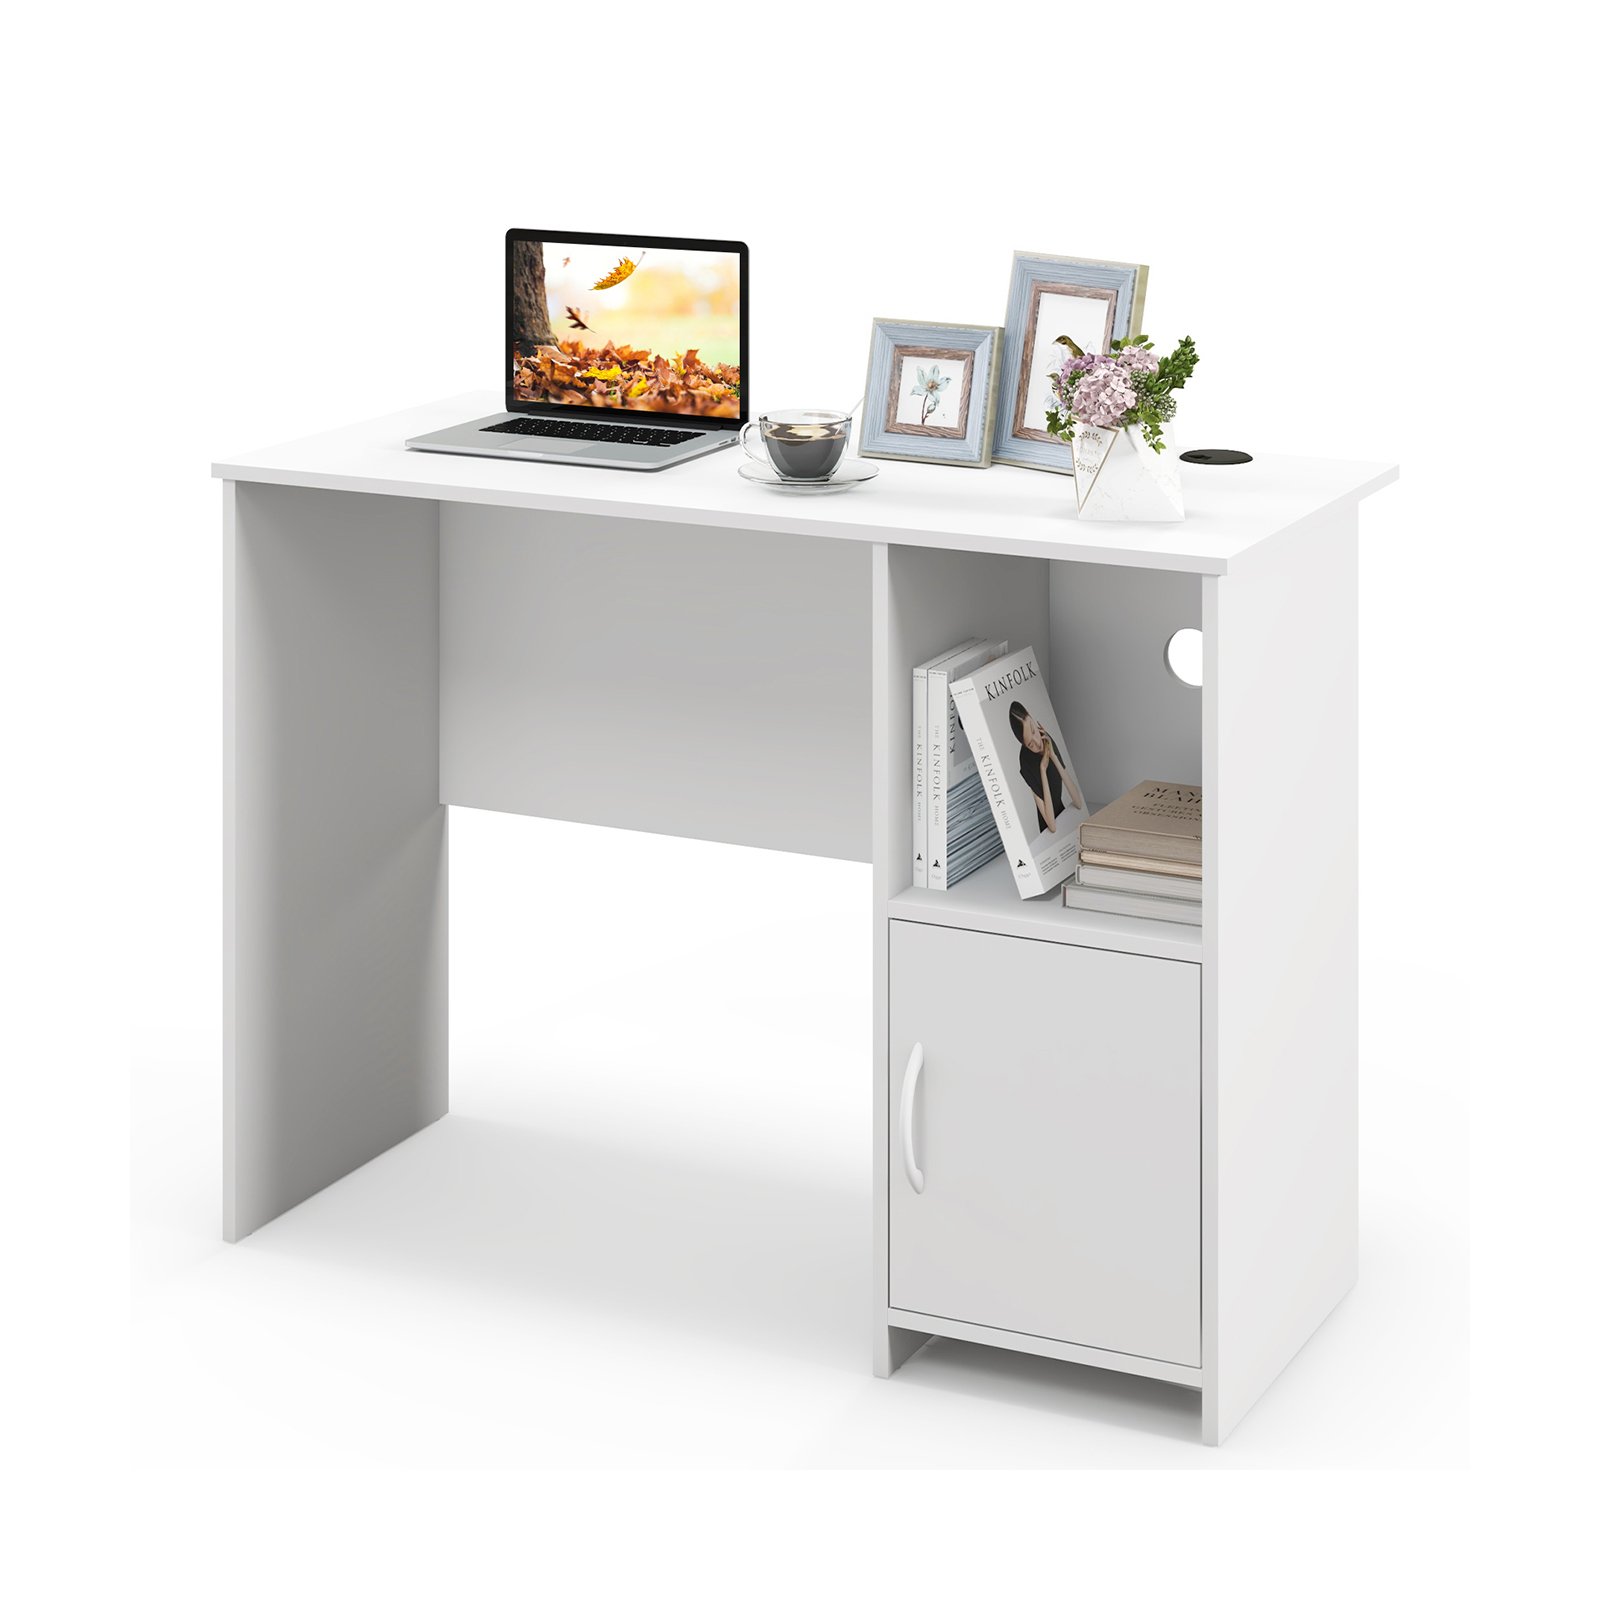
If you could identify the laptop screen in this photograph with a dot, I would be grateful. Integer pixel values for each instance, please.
(631, 324)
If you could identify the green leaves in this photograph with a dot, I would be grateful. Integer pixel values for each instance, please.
(1176, 370)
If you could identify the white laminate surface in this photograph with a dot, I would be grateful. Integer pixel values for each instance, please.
(1005, 510)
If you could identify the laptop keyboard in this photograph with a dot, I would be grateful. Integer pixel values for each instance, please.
(606, 432)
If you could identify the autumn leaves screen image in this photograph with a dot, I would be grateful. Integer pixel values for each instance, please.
(639, 330)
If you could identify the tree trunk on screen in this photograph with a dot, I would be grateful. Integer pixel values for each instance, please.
(530, 315)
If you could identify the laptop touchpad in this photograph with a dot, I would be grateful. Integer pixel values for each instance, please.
(559, 447)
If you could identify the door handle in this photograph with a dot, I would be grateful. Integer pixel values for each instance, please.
(908, 1106)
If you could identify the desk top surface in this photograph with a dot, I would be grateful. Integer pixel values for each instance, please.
(1006, 510)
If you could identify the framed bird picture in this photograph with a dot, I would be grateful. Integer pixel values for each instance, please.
(930, 392)
(1059, 306)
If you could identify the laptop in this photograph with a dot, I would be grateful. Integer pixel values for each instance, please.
(621, 350)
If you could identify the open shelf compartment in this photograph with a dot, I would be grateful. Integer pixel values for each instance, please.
(1100, 633)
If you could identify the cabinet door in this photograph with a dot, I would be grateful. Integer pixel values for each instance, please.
(1055, 1124)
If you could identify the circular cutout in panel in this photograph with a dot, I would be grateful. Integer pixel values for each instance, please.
(1186, 655)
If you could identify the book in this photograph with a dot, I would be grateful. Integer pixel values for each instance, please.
(1113, 858)
(1159, 821)
(1160, 908)
(1130, 882)
(919, 763)
(955, 794)
(1024, 767)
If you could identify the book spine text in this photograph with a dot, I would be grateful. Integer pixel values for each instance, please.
(938, 760)
(919, 778)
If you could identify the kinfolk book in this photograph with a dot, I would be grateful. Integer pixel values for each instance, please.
(919, 762)
(1026, 772)
(961, 830)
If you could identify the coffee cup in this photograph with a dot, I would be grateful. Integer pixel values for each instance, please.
(801, 446)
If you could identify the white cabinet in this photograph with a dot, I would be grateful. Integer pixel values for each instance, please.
(1044, 1121)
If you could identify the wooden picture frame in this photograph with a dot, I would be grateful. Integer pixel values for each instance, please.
(948, 423)
(1093, 302)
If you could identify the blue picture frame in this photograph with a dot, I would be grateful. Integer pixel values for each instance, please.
(962, 361)
(1118, 286)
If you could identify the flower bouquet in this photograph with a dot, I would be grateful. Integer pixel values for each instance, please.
(1110, 409)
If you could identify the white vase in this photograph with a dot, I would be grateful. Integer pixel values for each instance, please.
(1119, 478)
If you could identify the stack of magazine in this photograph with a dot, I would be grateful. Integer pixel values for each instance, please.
(953, 833)
(1140, 855)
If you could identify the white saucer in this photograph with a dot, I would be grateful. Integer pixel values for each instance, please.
(851, 471)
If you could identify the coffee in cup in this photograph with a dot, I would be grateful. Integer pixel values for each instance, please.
(803, 446)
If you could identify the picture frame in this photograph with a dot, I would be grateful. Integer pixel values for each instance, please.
(1092, 302)
(931, 390)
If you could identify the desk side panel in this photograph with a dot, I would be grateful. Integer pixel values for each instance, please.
(334, 870)
(1278, 1214)
(699, 682)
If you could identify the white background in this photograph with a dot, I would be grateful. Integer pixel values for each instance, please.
(235, 224)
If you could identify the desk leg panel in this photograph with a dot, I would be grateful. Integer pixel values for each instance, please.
(334, 839)
(1279, 1006)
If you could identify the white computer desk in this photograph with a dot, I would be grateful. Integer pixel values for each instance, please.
(1153, 1172)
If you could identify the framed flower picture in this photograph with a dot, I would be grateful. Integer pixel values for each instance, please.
(1054, 300)
(930, 392)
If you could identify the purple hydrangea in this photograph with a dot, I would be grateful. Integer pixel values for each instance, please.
(1103, 392)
